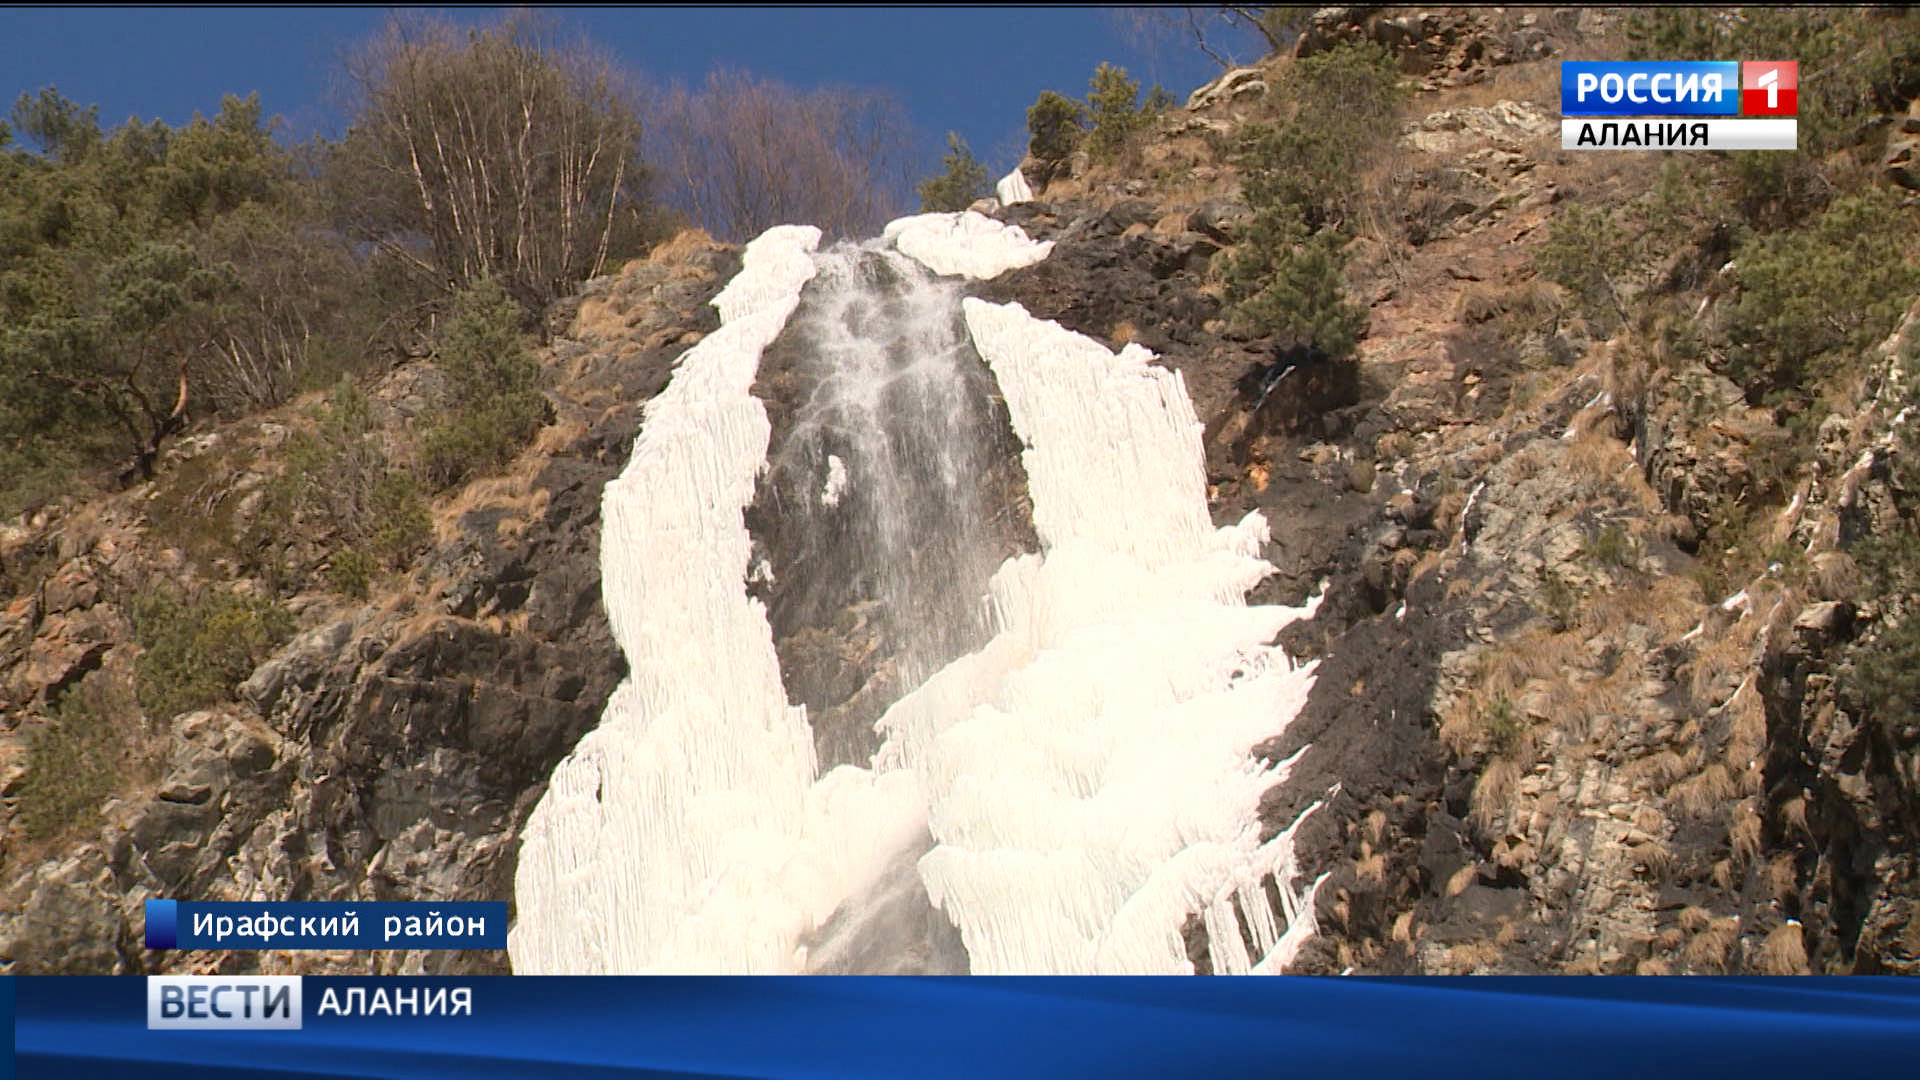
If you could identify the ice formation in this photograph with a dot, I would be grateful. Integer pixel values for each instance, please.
(965, 244)
(1013, 189)
(1085, 775)
(686, 832)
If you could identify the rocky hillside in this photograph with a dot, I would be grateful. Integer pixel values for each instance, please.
(1608, 613)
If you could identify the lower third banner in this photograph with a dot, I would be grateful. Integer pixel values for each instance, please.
(235, 1027)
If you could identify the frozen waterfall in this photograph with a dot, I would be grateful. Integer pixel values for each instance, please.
(1070, 746)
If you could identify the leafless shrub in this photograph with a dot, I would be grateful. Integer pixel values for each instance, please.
(742, 154)
(501, 153)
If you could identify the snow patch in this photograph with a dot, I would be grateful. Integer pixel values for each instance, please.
(1013, 189)
(965, 244)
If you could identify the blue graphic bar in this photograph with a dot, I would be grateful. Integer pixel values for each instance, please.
(182, 924)
(1649, 88)
(503, 1027)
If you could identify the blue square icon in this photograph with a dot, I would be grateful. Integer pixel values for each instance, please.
(163, 924)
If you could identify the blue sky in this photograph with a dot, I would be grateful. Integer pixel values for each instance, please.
(972, 70)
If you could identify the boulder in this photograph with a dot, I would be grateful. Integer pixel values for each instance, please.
(1901, 163)
(1239, 84)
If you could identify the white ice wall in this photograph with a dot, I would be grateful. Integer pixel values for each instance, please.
(671, 839)
(1087, 773)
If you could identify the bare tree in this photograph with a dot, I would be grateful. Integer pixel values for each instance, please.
(742, 154)
(498, 152)
(1221, 31)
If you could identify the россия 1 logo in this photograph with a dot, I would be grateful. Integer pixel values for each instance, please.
(1679, 105)
(1770, 88)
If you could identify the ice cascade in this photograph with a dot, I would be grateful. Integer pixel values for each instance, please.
(1085, 775)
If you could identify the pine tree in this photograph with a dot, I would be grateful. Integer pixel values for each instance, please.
(1113, 99)
(962, 180)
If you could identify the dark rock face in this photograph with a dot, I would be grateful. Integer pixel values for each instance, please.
(1450, 47)
(893, 490)
(1842, 807)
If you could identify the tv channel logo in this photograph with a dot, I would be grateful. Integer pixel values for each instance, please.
(1770, 88)
(1649, 88)
(224, 1002)
(1679, 105)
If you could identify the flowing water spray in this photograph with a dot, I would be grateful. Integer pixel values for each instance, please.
(1065, 768)
(891, 493)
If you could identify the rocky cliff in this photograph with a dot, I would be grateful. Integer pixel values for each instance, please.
(1551, 733)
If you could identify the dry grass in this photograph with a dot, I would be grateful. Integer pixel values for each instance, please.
(1607, 612)
(1393, 446)
(1655, 858)
(1446, 510)
(1630, 371)
(1784, 952)
(559, 438)
(1541, 655)
(1744, 829)
(684, 243)
(1462, 879)
(1403, 927)
(1704, 792)
(1604, 697)
(1531, 301)
(1794, 813)
(1777, 604)
(1429, 561)
(1709, 948)
(1473, 957)
(1515, 856)
(1493, 792)
(1746, 736)
(1586, 965)
(1783, 876)
(1477, 304)
(1536, 82)
(1658, 770)
(513, 491)
(1694, 918)
(1722, 874)
(1715, 659)
(1652, 966)
(1597, 456)
(1835, 576)
(1375, 825)
(1371, 866)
